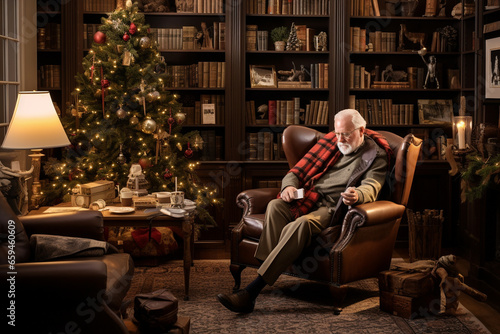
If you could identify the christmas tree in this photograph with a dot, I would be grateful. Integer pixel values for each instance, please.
(123, 116)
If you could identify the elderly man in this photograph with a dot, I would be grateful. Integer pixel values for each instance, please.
(346, 167)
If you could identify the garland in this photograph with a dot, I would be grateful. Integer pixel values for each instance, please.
(480, 175)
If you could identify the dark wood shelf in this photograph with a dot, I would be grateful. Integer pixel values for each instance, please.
(289, 52)
(288, 89)
(161, 14)
(403, 53)
(488, 12)
(282, 126)
(288, 16)
(201, 126)
(193, 51)
(405, 18)
(48, 50)
(419, 90)
(194, 89)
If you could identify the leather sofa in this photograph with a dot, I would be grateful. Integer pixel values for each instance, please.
(71, 295)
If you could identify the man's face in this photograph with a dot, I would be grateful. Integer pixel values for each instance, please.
(349, 138)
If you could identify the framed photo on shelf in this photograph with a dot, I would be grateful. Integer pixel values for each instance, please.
(492, 49)
(263, 76)
(435, 111)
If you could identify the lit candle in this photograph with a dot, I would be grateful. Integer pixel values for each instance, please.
(461, 135)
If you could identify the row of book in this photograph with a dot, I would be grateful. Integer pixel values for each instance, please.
(49, 37)
(204, 74)
(213, 146)
(359, 77)
(381, 41)
(262, 146)
(201, 113)
(382, 111)
(185, 38)
(364, 8)
(49, 76)
(440, 43)
(257, 40)
(99, 5)
(199, 6)
(287, 112)
(288, 7)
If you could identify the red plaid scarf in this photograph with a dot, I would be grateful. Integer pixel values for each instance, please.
(317, 161)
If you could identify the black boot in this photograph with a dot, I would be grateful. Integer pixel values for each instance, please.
(239, 302)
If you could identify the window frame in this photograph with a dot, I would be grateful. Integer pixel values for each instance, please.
(9, 17)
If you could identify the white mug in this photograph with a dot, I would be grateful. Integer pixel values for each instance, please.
(177, 198)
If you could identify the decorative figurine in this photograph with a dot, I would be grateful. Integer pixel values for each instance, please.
(389, 75)
(294, 75)
(431, 68)
(320, 41)
(412, 37)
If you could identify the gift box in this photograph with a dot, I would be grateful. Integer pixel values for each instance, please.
(409, 294)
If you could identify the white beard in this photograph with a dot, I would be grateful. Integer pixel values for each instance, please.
(345, 148)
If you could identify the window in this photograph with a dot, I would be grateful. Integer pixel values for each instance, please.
(9, 61)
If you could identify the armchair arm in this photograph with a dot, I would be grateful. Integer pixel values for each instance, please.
(78, 279)
(82, 224)
(254, 201)
(378, 212)
(368, 214)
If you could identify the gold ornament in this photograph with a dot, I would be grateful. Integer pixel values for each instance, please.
(145, 42)
(179, 146)
(134, 120)
(180, 117)
(198, 142)
(148, 125)
(120, 113)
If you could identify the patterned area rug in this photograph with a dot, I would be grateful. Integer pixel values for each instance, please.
(292, 305)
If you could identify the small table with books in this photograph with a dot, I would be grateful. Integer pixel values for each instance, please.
(116, 215)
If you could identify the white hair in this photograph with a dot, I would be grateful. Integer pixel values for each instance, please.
(355, 116)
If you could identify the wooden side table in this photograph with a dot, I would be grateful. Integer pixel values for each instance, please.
(146, 218)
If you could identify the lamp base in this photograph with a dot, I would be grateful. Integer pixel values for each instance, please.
(36, 188)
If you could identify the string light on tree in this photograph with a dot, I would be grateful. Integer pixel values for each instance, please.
(129, 83)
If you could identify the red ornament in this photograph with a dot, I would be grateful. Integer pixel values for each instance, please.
(133, 28)
(145, 163)
(104, 83)
(170, 122)
(189, 152)
(99, 37)
(167, 174)
(126, 37)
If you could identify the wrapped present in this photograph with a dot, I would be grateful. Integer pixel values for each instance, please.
(409, 294)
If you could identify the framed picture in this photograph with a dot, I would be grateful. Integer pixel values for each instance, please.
(492, 84)
(435, 111)
(263, 76)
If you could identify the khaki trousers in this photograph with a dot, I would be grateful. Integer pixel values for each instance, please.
(284, 238)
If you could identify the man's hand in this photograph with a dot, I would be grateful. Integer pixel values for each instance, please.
(349, 196)
(288, 194)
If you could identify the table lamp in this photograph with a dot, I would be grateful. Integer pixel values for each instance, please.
(35, 125)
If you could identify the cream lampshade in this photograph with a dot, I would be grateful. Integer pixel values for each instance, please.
(35, 125)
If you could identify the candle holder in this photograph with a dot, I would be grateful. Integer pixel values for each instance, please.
(462, 132)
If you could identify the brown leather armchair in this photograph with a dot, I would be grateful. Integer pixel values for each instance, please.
(358, 248)
(74, 295)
